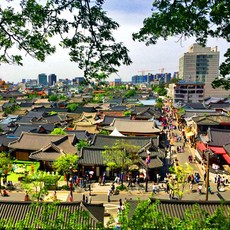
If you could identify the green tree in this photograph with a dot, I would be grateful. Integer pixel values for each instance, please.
(72, 106)
(127, 113)
(121, 155)
(160, 90)
(66, 164)
(105, 132)
(174, 80)
(181, 172)
(148, 215)
(37, 184)
(53, 97)
(159, 103)
(58, 131)
(81, 144)
(129, 93)
(5, 164)
(192, 18)
(87, 33)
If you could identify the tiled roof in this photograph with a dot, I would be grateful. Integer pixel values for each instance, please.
(118, 108)
(45, 156)
(199, 112)
(209, 100)
(33, 128)
(218, 137)
(109, 119)
(100, 141)
(91, 156)
(15, 211)
(211, 119)
(133, 126)
(155, 162)
(219, 105)
(81, 109)
(34, 141)
(194, 106)
(177, 208)
(81, 134)
(4, 140)
(48, 110)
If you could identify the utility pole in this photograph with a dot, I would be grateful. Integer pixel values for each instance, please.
(147, 172)
(207, 175)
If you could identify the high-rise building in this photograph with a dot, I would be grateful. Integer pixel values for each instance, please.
(52, 79)
(42, 79)
(78, 80)
(201, 64)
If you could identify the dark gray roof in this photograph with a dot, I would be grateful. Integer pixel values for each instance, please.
(26, 104)
(81, 109)
(4, 140)
(142, 109)
(155, 162)
(219, 105)
(115, 101)
(91, 156)
(48, 110)
(81, 134)
(26, 119)
(177, 208)
(15, 211)
(194, 106)
(118, 108)
(41, 118)
(218, 137)
(100, 141)
(109, 119)
(32, 128)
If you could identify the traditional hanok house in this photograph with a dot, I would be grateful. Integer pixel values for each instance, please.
(32, 215)
(45, 148)
(214, 143)
(142, 113)
(81, 134)
(77, 113)
(91, 158)
(8, 123)
(134, 128)
(87, 122)
(4, 141)
(108, 119)
(42, 102)
(30, 128)
(33, 117)
(202, 123)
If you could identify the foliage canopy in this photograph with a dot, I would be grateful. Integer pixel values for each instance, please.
(191, 18)
(86, 33)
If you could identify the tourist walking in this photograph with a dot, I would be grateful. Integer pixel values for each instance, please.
(108, 195)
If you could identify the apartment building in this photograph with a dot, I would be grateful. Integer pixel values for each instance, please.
(201, 64)
(187, 92)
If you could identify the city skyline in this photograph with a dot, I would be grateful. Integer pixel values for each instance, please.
(130, 15)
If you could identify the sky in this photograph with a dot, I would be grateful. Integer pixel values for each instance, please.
(164, 56)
